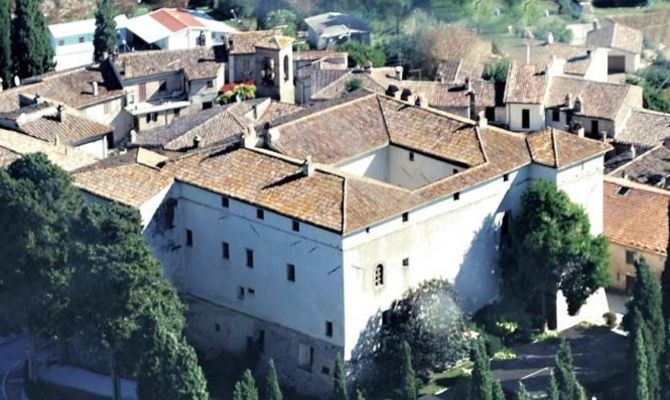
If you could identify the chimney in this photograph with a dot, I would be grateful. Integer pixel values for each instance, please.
(473, 105)
(367, 67)
(57, 140)
(568, 101)
(308, 167)
(94, 88)
(133, 136)
(17, 81)
(527, 52)
(439, 77)
(197, 140)
(468, 85)
(1, 88)
(624, 175)
(579, 105)
(405, 95)
(255, 111)
(421, 101)
(392, 91)
(596, 24)
(37, 99)
(398, 73)
(588, 53)
(632, 151)
(550, 38)
(60, 113)
(481, 119)
(580, 130)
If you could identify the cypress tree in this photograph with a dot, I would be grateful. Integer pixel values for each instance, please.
(481, 382)
(553, 388)
(104, 40)
(340, 384)
(5, 44)
(498, 393)
(359, 395)
(408, 378)
(665, 366)
(568, 386)
(31, 48)
(639, 384)
(272, 388)
(522, 393)
(245, 389)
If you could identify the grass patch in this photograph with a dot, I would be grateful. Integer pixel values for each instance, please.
(544, 336)
(448, 378)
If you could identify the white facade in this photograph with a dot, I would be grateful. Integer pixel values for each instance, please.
(515, 117)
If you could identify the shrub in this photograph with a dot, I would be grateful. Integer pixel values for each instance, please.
(496, 71)
(353, 84)
(558, 29)
(360, 53)
(504, 318)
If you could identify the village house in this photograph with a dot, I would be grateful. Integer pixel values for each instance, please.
(336, 210)
(175, 29)
(332, 28)
(73, 41)
(462, 54)
(623, 42)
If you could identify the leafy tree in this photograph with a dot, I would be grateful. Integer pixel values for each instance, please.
(5, 44)
(32, 51)
(104, 39)
(285, 18)
(360, 53)
(524, 12)
(522, 393)
(387, 9)
(481, 382)
(553, 249)
(272, 385)
(639, 379)
(245, 389)
(340, 382)
(170, 369)
(479, 12)
(498, 393)
(568, 386)
(647, 302)
(496, 71)
(408, 382)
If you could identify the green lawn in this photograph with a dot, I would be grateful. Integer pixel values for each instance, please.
(443, 380)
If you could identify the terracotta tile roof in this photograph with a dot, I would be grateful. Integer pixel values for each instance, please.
(616, 36)
(599, 99)
(651, 168)
(338, 87)
(197, 63)
(277, 110)
(636, 218)
(276, 42)
(526, 83)
(448, 70)
(645, 127)
(122, 179)
(175, 19)
(559, 149)
(577, 58)
(72, 88)
(313, 55)
(245, 42)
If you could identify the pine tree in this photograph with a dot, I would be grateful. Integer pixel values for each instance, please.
(568, 386)
(5, 44)
(639, 384)
(522, 393)
(481, 382)
(32, 51)
(498, 393)
(245, 389)
(273, 392)
(340, 382)
(104, 40)
(408, 379)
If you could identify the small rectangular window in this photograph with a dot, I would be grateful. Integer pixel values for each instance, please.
(206, 105)
(240, 293)
(251, 291)
(595, 131)
(556, 115)
(260, 213)
(457, 196)
(325, 370)
(250, 258)
(630, 257)
(290, 272)
(411, 156)
(61, 42)
(329, 329)
(225, 203)
(505, 177)
(405, 262)
(81, 39)
(296, 225)
(225, 248)
(405, 217)
(217, 327)
(189, 238)
(176, 112)
(525, 118)
(210, 84)
(454, 171)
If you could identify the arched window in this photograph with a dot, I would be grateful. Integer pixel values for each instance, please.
(379, 275)
(286, 68)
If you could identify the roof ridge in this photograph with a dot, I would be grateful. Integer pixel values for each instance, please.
(635, 185)
(634, 160)
(326, 109)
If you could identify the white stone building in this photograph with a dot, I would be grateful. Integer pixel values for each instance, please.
(623, 42)
(293, 241)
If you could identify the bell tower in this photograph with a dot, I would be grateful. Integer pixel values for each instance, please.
(274, 68)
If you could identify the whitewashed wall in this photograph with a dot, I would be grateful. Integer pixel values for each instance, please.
(514, 118)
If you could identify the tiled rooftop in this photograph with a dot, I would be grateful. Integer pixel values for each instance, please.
(526, 83)
(197, 63)
(651, 168)
(559, 149)
(637, 217)
(645, 128)
(616, 36)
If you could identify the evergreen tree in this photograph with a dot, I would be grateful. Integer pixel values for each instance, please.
(408, 379)
(340, 384)
(553, 388)
(665, 283)
(647, 302)
(481, 382)
(522, 393)
(31, 48)
(5, 44)
(273, 391)
(359, 395)
(568, 386)
(665, 366)
(498, 393)
(245, 389)
(639, 384)
(104, 40)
